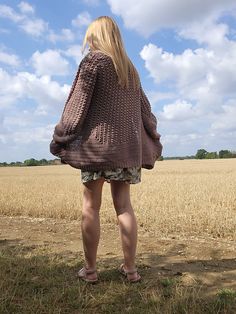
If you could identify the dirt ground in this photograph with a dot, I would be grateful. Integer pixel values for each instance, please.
(206, 261)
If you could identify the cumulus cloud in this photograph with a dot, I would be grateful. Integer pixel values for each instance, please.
(47, 94)
(227, 118)
(206, 32)
(19, 127)
(50, 63)
(91, 2)
(74, 52)
(204, 82)
(25, 7)
(149, 16)
(198, 106)
(10, 88)
(25, 19)
(35, 27)
(8, 13)
(66, 34)
(194, 72)
(82, 19)
(9, 59)
(179, 111)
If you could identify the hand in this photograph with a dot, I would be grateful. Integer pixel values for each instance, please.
(56, 148)
(158, 136)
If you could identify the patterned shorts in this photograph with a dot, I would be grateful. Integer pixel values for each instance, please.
(129, 175)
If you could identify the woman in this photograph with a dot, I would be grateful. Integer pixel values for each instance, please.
(108, 131)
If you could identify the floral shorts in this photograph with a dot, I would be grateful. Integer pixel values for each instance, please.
(129, 175)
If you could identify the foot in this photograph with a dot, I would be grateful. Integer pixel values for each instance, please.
(131, 275)
(88, 275)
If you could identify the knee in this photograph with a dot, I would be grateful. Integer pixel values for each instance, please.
(121, 206)
(90, 209)
(91, 204)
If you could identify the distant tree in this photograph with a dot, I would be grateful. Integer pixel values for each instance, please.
(201, 154)
(31, 162)
(18, 163)
(43, 162)
(211, 155)
(225, 153)
(3, 164)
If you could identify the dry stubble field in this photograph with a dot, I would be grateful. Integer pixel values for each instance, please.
(186, 212)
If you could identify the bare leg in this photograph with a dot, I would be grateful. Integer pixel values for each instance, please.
(127, 222)
(90, 225)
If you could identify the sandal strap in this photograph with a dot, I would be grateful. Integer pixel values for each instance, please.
(90, 271)
(131, 272)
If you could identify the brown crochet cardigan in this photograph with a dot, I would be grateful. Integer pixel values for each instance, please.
(103, 125)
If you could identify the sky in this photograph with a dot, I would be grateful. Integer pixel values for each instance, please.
(185, 52)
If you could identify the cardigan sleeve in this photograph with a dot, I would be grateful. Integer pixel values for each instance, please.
(78, 101)
(148, 118)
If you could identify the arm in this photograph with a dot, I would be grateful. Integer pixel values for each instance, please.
(78, 102)
(149, 120)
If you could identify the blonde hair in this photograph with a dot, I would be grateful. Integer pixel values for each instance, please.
(103, 34)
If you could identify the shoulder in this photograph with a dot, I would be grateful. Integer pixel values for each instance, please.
(94, 56)
(95, 59)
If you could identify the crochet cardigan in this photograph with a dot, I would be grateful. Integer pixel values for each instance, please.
(104, 125)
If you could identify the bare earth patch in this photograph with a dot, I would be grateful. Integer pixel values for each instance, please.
(208, 262)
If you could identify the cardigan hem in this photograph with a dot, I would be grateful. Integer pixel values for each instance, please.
(108, 166)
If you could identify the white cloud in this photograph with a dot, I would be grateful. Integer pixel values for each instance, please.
(82, 19)
(202, 79)
(206, 32)
(34, 27)
(74, 51)
(50, 63)
(43, 90)
(65, 35)
(9, 13)
(179, 111)
(11, 89)
(226, 121)
(149, 16)
(185, 68)
(20, 127)
(47, 94)
(193, 72)
(25, 7)
(30, 24)
(10, 59)
(202, 112)
(91, 2)
(36, 134)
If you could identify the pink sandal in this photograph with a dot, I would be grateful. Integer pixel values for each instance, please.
(126, 273)
(84, 272)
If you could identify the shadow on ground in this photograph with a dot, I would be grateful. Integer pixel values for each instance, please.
(34, 279)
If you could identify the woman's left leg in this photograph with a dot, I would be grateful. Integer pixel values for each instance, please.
(90, 225)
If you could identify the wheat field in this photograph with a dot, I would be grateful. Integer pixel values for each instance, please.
(184, 197)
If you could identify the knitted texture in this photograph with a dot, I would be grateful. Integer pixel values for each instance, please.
(103, 125)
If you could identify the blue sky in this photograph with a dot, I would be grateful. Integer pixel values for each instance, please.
(185, 52)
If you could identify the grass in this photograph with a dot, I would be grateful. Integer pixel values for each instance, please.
(35, 280)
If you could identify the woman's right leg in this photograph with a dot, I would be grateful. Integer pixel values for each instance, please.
(127, 222)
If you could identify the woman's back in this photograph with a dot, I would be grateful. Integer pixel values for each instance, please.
(114, 115)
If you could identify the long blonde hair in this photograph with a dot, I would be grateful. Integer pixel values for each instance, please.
(103, 34)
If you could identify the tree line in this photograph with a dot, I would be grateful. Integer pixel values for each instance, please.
(201, 154)
(204, 154)
(31, 162)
